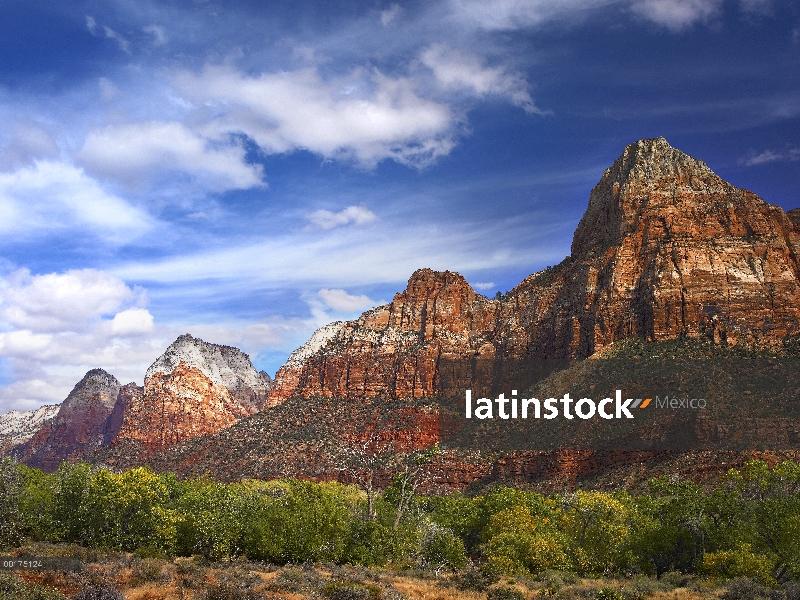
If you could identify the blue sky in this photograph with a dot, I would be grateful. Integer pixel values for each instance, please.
(249, 171)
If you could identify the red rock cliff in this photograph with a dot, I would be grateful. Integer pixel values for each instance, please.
(666, 248)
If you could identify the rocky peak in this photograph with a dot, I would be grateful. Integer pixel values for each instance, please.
(649, 177)
(78, 426)
(225, 366)
(432, 302)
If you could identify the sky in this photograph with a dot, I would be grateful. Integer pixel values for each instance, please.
(248, 171)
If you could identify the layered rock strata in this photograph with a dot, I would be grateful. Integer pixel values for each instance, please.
(665, 249)
(195, 388)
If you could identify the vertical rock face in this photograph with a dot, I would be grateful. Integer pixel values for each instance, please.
(394, 348)
(666, 248)
(78, 427)
(193, 389)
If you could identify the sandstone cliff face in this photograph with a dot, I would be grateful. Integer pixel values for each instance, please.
(78, 427)
(193, 389)
(665, 249)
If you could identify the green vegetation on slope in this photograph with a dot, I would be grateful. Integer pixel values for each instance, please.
(750, 526)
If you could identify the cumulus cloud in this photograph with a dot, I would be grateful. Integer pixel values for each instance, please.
(456, 70)
(352, 215)
(56, 326)
(131, 151)
(790, 154)
(366, 117)
(53, 195)
(54, 301)
(677, 15)
(340, 300)
(132, 321)
(517, 14)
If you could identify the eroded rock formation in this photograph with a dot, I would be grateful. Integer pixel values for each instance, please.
(665, 249)
(195, 388)
(79, 426)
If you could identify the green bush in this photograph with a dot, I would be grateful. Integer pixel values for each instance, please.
(475, 580)
(609, 593)
(443, 550)
(505, 592)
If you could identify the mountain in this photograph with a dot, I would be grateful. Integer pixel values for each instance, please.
(195, 388)
(678, 284)
(77, 428)
(18, 427)
(665, 249)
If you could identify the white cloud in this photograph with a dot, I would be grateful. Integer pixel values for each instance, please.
(91, 24)
(366, 117)
(132, 321)
(340, 300)
(53, 301)
(132, 151)
(390, 14)
(352, 215)
(56, 326)
(677, 15)
(53, 195)
(159, 34)
(455, 70)
(489, 285)
(790, 154)
(518, 14)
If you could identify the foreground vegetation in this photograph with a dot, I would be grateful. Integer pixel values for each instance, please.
(749, 528)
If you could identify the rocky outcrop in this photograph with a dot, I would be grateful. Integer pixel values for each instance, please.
(665, 249)
(224, 366)
(18, 427)
(195, 388)
(78, 427)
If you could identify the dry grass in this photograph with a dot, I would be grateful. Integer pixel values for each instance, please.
(185, 578)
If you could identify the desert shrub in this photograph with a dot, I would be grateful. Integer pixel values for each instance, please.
(550, 577)
(609, 593)
(99, 592)
(505, 592)
(675, 579)
(641, 587)
(475, 580)
(791, 590)
(13, 588)
(745, 588)
(148, 570)
(298, 581)
(350, 590)
(229, 590)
